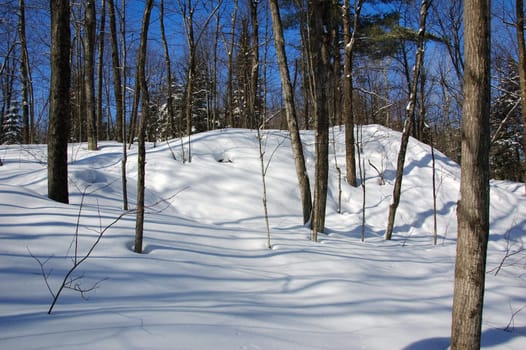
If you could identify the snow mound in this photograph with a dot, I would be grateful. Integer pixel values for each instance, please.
(207, 280)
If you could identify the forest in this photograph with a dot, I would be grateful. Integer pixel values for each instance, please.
(213, 64)
(447, 74)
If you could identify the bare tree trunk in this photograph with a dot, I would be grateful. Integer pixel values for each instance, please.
(473, 207)
(100, 73)
(230, 74)
(123, 106)
(117, 76)
(349, 41)
(254, 71)
(169, 81)
(89, 73)
(135, 109)
(519, 9)
(141, 63)
(290, 110)
(319, 60)
(59, 106)
(408, 126)
(188, 16)
(24, 74)
(361, 171)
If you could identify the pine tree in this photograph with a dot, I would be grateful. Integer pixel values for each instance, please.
(506, 152)
(12, 126)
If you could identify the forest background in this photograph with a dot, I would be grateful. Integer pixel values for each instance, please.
(225, 38)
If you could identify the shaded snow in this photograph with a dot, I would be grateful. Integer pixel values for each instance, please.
(206, 279)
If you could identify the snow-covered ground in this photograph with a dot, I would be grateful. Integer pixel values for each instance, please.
(207, 280)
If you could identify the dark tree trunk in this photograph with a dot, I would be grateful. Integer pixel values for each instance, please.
(100, 74)
(254, 69)
(117, 75)
(473, 207)
(170, 132)
(89, 73)
(230, 73)
(522, 71)
(319, 58)
(59, 106)
(24, 74)
(348, 112)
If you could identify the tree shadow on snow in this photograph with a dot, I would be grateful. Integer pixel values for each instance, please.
(490, 338)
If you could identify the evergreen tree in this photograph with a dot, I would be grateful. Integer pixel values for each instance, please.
(12, 126)
(506, 154)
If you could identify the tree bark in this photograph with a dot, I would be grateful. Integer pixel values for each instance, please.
(319, 58)
(141, 63)
(100, 73)
(170, 107)
(473, 207)
(89, 73)
(519, 9)
(408, 125)
(254, 71)
(348, 112)
(290, 110)
(230, 71)
(117, 76)
(25, 79)
(59, 104)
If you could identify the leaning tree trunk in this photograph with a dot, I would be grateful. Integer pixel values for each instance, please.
(473, 206)
(59, 102)
(290, 110)
(141, 63)
(408, 126)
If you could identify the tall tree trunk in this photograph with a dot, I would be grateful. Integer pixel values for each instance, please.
(319, 60)
(24, 74)
(117, 75)
(123, 106)
(409, 118)
(519, 9)
(59, 106)
(230, 70)
(188, 15)
(215, 93)
(193, 41)
(188, 101)
(290, 110)
(170, 105)
(473, 206)
(254, 69)
(348, 112)
(141, 67)
(100, 73)
(89, 73)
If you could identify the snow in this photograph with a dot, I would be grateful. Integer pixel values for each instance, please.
(207, 280)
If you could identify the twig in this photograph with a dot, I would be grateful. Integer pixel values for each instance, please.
(509, 327)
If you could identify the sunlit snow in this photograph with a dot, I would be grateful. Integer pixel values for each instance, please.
(207, 280)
